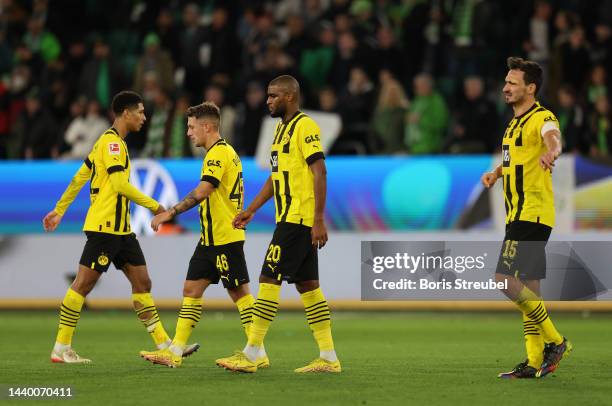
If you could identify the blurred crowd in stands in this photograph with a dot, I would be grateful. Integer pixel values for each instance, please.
(405, 76)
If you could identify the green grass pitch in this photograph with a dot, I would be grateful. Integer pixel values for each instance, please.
(387, 358)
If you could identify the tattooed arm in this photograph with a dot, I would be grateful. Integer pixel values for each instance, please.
(193, 198)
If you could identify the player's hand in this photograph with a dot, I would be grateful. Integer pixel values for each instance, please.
(51, 221)
(488, 179)
(159, 210)
(319, 233)
(242, 219)
(161, 218)
(547, 160)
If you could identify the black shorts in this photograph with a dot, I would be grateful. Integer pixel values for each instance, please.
(523, 252)
(103, 248)
(225, 262)
(291, 255)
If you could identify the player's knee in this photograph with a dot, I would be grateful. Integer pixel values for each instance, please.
(238, 292)
(190, 291)
(306, 286)
(501, 278)
(82, 287)
(142, 285)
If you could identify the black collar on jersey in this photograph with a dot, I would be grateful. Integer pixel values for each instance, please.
(292, 117)
(535, 105)
(216, 142)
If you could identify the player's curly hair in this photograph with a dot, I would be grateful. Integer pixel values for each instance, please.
(207, 110)
(126, 99)
(532, 70)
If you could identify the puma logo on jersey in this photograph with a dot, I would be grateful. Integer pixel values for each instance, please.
(113, 148)
(550, 118)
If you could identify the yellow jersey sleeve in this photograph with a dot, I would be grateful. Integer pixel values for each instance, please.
(79, 179)
(214, 166)
(547, 121)
(309, 141)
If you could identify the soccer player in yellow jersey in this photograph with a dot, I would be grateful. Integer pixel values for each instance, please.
(298, 185)
(530, 146)
(107, 226)
(219, 254)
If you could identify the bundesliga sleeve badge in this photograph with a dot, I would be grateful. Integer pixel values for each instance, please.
(113, 148)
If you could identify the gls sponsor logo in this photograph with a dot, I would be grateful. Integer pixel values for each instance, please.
(211, 162)
(312, 138)
(274, 161)
(155, 181)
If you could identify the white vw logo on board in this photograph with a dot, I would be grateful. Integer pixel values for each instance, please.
(149, 176)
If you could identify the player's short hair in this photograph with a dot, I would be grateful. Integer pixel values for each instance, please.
(126, 99)
(288, 82)
(532, 70)
(208, 110)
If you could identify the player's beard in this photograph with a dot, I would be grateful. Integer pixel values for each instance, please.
(279, 112)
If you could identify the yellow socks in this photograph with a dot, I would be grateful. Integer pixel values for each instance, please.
(533, 343)
(70, 312)
(264, 311)
(147, 313)
(533, 308)
(318, 316)
(245, 308)
(189, 315)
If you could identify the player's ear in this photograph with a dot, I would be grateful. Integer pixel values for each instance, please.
(531, 88)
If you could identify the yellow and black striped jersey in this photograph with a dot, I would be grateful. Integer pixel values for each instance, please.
(221, 167)
(109, 210)
(296, 145)
(528, 191)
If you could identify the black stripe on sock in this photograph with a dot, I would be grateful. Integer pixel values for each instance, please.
(536, 316)
(264, 300)
(264, 311)
(191, 311)
(69, 309)
(266, 306)
(542, 320)
(316, 304)
(310, 315)
(190, 318)
(68, 316)
(259, 312)
(318, 321)
(68, 319)
(537, 309)
(327, 314)
(265, 318)
(323, 306)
